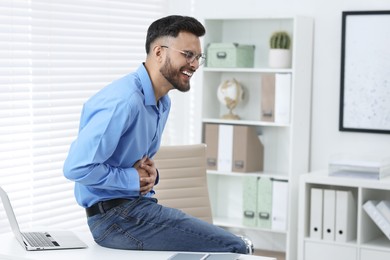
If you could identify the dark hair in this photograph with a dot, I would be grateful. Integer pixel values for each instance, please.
(171, 26)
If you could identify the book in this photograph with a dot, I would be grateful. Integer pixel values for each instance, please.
(384, 208)
(372, 211)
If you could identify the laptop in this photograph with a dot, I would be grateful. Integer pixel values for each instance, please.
(32, 241)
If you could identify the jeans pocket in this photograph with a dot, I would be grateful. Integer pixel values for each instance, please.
(116, 237)
(99, 220)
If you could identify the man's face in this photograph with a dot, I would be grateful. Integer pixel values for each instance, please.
(176, 69)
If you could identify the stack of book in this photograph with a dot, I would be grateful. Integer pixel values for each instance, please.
(379, 212)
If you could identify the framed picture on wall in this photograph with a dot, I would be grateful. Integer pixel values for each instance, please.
(365, 72)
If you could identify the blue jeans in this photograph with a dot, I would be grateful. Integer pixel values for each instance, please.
(143, 224)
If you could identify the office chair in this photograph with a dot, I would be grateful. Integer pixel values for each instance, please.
(183, 182)
(183, 179)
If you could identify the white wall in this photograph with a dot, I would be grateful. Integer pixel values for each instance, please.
(326, 139)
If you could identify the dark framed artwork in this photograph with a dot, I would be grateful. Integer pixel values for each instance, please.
(365, 72)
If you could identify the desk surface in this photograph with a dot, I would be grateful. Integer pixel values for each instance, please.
(11, 249)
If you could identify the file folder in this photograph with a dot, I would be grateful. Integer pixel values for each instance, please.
(316, 213)
(329, 214)
(282, 98)
(225, 148)
(211, 140)
(268, 97)
(247, 150)
(279, 204)
(346, 220)
(250, 201)
(264, 202)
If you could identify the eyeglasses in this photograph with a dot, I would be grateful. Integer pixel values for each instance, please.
(190, 56)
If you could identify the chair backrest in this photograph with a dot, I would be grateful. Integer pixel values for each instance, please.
(183, 179)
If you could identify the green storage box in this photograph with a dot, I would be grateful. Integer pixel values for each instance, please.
(230, 55)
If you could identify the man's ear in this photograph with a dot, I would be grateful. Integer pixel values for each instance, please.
(157, 53)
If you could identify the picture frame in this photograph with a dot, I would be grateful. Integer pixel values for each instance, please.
(365, 72)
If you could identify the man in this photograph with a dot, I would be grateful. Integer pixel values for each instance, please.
(120, 132)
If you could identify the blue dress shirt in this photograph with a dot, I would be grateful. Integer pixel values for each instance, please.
(119, 125)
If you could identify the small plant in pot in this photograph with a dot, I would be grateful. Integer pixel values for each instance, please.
(280, 53)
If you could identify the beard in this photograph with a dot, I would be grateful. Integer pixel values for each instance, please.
(174, 76)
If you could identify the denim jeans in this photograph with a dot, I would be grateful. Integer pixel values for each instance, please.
(143, 224)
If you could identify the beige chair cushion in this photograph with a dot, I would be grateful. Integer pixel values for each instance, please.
(183, 179)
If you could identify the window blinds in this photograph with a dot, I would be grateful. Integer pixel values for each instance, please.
(53, 56)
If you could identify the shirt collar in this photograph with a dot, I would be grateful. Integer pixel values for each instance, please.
(147, 87)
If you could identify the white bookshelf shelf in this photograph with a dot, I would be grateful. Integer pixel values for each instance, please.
(236, 223)
(242, 122)
(248, 70)
(279, 175)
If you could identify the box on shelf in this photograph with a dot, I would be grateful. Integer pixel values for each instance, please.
(230, 55)
(359, 166)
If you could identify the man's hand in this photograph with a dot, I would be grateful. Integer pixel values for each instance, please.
(147, 174)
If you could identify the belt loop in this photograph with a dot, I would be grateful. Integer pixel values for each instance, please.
(101, 208)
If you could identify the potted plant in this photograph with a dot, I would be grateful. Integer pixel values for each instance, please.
(280, 53)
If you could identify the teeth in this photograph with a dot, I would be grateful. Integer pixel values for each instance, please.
(187, 73)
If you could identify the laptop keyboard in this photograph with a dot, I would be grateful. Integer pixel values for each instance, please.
(37, 239)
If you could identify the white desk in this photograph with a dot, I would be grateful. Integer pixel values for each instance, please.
(9, 247)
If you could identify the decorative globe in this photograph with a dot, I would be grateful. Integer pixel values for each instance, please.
(230, 93)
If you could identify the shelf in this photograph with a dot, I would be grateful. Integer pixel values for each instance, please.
(322, 177)
(247, 70)
(242, 122)
(279, 176)
(233, 223)
(379, 243)
(351, 243)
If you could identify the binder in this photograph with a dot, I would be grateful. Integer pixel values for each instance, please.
(384, 208)
(316, 213)
(211, 140)
(346, 220)
(329, 214)
(225, 148)
(250, 201)
(282, 98)
(279, 204)
(264, 202)
(268, 97)
(247, 150)
(377, 217)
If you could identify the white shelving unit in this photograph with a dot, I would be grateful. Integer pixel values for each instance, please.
(370, 243)
(286, 146)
